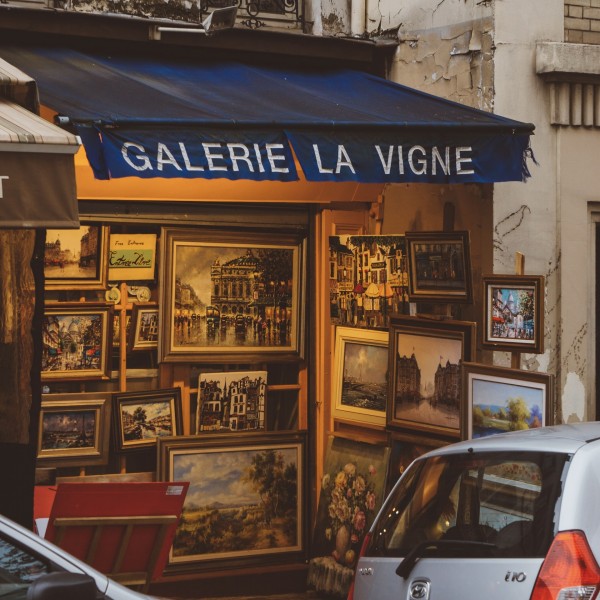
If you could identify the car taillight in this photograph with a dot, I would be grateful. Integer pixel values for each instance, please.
(366, 543)
(569, 570)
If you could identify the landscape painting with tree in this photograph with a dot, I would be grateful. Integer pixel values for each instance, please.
(425, 366)
(229, 293)
(368, 279)
(245, 497)
(501, 399)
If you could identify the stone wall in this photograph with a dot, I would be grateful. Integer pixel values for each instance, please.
(582, 21)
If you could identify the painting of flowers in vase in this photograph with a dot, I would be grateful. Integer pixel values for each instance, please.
(352, 491)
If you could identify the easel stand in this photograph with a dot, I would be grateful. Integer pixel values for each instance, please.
(515, 359)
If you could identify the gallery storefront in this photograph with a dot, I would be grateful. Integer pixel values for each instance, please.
(203, 183)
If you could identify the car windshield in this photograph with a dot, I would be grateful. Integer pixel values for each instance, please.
(18, 569)
(504, 502)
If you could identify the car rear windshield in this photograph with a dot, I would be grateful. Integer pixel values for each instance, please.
(505, 501)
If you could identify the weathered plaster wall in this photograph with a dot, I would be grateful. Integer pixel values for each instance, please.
(527, 217)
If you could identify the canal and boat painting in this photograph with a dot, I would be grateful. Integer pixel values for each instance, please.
(427, 356)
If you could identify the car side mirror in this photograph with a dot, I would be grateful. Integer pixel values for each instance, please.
(63, 586)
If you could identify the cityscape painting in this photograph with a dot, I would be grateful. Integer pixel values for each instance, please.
(368, 279)
(76, 258)
(426, 391)
(514, 313)
(245, 499)
(75, 340)
(74, 429)
(231, 401)
(229, 294)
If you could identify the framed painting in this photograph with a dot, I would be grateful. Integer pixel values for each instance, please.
(368, 279)
(140, 418)
(501, 399)
(132, 257)
(352, 492)
(76, 259)
(360, 376)
(404, 449)
(425, 373)
(439, 266)
(245, 502)
(231, 401)
(74, 430)
(143, 334)
(116, 329)
(513, 313)
(76, 340)
(230, 295)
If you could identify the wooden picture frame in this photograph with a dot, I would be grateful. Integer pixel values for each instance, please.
(74, 430)
(76, 259)
(513, 313)
(500, 399)
(140, 418)
(360, 375)
(232, 401)
(76, 340)
(425, 373)
(144, 331)
(439, 264)
(231, 295)
(230, 479)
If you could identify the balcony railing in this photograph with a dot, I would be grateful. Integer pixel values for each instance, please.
(253, 14)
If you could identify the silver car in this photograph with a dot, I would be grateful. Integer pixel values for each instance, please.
(512, 515)
(33, 569)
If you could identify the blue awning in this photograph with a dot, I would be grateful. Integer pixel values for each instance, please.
(160, 117)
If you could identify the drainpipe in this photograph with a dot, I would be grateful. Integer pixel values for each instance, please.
(358, 21)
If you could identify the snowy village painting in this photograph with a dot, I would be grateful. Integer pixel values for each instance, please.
(231, 401)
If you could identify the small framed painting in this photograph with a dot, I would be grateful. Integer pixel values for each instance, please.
(501, 399)
(439, 266)
(360, 376)
(76, 340)
(143, 417)
(143, 335)
(132, 257)
(74, 430)
(513, 313)
(231, 401)
(425, 373)
(76, 259)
